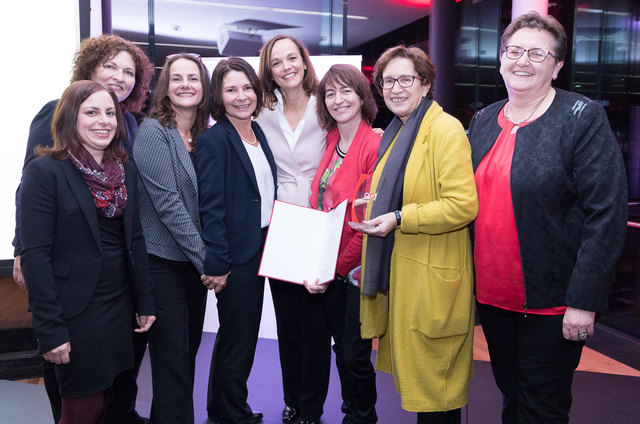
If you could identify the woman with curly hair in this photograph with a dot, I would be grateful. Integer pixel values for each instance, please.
(91, 58)
(124, 69)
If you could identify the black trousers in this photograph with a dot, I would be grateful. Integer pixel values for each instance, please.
(174, 338)
(532, 363)
(341, 304)
(444, 417)
(239, 314)
(121, 405)
(304, 344)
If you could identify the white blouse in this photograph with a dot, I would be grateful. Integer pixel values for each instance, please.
(297, 153)
(265, 181)
(293, 136)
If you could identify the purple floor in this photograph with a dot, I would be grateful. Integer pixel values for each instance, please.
(598, 398)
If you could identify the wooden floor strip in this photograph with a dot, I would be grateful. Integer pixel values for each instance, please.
(591, 360)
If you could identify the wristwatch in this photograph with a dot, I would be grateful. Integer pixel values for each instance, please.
(398, 218)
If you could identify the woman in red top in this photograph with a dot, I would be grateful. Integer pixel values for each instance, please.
(346, 110)
(551, 223)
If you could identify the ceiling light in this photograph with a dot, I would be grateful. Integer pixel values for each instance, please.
(261, 8)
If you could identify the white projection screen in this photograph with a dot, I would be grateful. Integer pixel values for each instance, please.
(41, 38)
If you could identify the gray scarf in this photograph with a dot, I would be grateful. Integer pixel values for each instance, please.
(377, 269)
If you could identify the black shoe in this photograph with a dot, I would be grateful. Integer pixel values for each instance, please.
(257, 417)
(289, 415)
(135, 418)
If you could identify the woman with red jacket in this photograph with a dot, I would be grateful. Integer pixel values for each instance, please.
(346, 109)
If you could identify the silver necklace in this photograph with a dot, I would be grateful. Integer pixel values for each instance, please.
(506, 110)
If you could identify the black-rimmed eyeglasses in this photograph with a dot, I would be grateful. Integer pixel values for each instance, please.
(404, 81)
(535, 55)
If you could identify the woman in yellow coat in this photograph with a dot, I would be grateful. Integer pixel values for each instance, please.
(417, 277)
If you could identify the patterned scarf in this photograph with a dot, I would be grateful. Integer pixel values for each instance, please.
(106, 184)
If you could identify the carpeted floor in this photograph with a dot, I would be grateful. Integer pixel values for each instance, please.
(599, 398)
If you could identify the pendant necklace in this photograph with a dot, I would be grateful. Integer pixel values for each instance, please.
(185, 138)
(517, 124)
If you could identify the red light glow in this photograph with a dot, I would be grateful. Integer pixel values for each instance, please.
(420, 3)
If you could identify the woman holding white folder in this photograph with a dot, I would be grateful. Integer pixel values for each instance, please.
(346, 110)
(290, 123)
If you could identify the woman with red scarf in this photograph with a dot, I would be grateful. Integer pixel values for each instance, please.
(83, 253)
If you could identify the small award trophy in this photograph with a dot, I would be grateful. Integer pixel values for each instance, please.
(363, 198)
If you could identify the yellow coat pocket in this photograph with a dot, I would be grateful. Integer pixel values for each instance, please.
(441, 306)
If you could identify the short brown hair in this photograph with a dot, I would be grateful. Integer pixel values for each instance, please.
(533, 20)
(421, 61)
(96, 51)
(162, 110)
(348, 76)
(223, 68)
(64, 124)
(309, 82)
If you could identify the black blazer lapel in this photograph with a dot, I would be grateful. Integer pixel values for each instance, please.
(83, 196)
(480, 145)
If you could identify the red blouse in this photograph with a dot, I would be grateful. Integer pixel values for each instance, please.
(498, 265)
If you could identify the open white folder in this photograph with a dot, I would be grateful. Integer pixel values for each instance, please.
(302, 243)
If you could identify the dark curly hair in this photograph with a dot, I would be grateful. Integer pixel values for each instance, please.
(162, 110)
(96, 51)
(348, 76)
(223, 68)
(309, 82)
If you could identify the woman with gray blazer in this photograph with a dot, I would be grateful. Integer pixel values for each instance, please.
(168, 196)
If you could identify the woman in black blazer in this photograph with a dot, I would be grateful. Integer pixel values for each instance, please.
(236, 183)
(83, 251)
